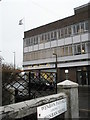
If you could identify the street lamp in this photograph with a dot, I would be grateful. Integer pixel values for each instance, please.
(66, 72)
(14, 60)
(56, 69)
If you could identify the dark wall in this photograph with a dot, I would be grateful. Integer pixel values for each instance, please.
(71, 74)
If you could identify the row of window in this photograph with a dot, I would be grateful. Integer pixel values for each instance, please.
(57, 34)
(60, 51)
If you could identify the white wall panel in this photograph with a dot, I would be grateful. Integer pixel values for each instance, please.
(41, 46)
(47, 45)
(26, 50)
(60, 42)
(54, 43)
(85, 37)
(35, 47)
(68, 40)
(29, 48)
(76, 39)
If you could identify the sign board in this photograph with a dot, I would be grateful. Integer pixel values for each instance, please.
(52, 109)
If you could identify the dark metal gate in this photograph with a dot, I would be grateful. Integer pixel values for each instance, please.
(25, 86)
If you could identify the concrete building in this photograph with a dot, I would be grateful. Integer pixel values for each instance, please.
(69, 39)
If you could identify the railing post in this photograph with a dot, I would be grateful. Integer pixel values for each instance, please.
(29, 84)
(16, 95)
(71, 90)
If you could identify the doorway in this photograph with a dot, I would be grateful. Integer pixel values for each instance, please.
(82, 76)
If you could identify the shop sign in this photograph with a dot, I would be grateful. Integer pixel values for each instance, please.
(52, 109)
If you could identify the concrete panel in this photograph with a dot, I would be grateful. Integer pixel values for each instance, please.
(41, 46)
(68, 40)
(54, 43)
(35, 47)
(32, 48)
(76, 39)
(84, 37)
(61, 42)
(29, 48)
(26, 49)
(47, 45)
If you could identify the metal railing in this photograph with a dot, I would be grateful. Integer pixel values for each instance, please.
(27, 86)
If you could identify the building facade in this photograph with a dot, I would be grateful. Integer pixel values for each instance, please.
(68, 39)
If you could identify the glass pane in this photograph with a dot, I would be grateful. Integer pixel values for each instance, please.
(59, 34)
(86, 25)
(82, 27)
(48, 36)
(45, 36)
(70, 50)
(78, 28)
(78, 49)
(74, 29)
(69, 30)
(62, 51)
(62, 32)
(75, 50)
(66, 32)
(66, 50)
(55, 34)
(83, 48)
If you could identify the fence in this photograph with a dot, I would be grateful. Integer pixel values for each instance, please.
(25, 86)
(66, 104)
(28, 109)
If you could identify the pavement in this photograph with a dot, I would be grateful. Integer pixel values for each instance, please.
(84, 101)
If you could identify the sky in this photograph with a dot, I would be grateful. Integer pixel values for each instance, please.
(34, 13)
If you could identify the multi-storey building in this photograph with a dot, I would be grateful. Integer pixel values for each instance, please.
(69, 39)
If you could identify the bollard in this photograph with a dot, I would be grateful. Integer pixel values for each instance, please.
(71, 90)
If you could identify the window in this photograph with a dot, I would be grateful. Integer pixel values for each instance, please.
(58, 51)
(74, 29)
(62, 32)
(59, 34)
(83, 48)
(77, 49)
(70, 50)
(48, 36)
(52, 35)
(66, 31)
(78, 28)
(35, 55)
(41, 38)
(69, 30)
(32, 41)
(86, 26)
(82, 27)
(24, 42)
(45, 36)
(62, 51)
(55, 34)
(36, 40)
(66, 50)
(27, 42)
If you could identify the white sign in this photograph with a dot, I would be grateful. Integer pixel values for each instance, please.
(52, 109)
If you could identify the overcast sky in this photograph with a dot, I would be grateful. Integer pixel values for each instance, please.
(34, 14)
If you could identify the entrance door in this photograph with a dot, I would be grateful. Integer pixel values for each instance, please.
(82, 77)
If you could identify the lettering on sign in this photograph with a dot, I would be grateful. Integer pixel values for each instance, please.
(52, 109)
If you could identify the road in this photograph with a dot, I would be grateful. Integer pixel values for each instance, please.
(84, 101)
